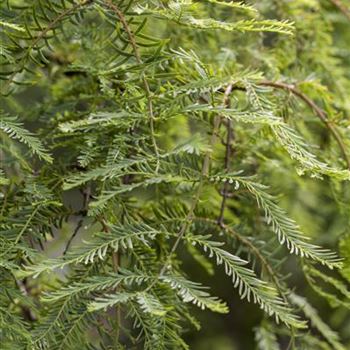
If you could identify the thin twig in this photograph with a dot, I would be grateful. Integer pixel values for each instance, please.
(115, 265)
(228, 154)
(4, 203)
(40, 36)
(220, 222)
(28, 313)
(75, 232)
(190, 214)
(81, 221)
(106, 229)
(345, 10)
(205, 170)
(321, 114)
(138, 58)
(252, 247)
(266, 265)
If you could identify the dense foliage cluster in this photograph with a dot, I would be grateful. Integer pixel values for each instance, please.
(150, 148)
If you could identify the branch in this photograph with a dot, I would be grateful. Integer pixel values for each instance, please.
(341, 7)
(28, 314)
(115, 265)
(41, 35)
(265, 264)
(228, 154)
(87, 195)
(205, 169)
(147, 89)
(321, 114)
(75, 232)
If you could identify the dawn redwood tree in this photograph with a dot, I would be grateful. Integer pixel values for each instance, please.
(140, 138)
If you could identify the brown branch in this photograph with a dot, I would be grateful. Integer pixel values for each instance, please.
(341, 7)
(75, 232)
(28, 314)
(41, 35)
(204, 172)
(147, 89)
(5, 199)
(228, 154)
(190, 214)
(132, 40)
(262, 259)
(265, 264)
(115, 255)
(106, 229)
(115, 265)
(83, 211)
(321, 114)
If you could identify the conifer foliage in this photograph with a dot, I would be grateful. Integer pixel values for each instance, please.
(139, 138)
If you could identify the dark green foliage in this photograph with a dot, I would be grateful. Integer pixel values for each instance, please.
(142, 138)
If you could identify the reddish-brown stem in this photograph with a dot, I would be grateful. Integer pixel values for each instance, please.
(40, 36)
(265, 264)
(205, 170)
(321, 114)
(345, 10)
(115, 265)
(138, 58)
(228, 154)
